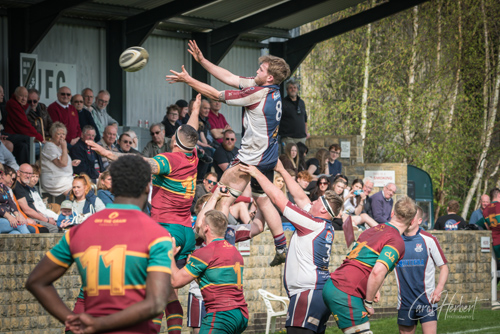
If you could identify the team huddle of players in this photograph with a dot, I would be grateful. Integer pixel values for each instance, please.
(131, 264)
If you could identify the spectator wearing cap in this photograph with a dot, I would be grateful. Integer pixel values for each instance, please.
(66, 216)
(158, 143)
(183, 113)
(84, 115)
(218, 123)
(170, 120)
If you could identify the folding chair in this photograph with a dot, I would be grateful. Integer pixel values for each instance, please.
(271, 314)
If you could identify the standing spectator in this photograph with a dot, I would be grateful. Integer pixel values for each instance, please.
(290, 159)
(85, 202)
(183, 111)
(209, 182)
(90, 162)
(84, 116)
(125, 144)
(170, 120)
(417, 293)
(382, 203)
(12, 222)
(62, 111)
(99, 113)
(293, 125)
(158, 144)
(25, 199)
(57, 167)
(17, 126)
(477, 215)
(218, 123)
(108, 141)
(451, 221)
(334, 166)
(317, 165)
(225, 153)
(104, 188)
(88, 99)
(37, 114)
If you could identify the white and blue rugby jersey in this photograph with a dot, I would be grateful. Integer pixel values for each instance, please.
(308, 257)
(262, 115)
(415, 272)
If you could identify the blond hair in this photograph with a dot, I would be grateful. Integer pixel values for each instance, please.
(217, 222)
(405, 210)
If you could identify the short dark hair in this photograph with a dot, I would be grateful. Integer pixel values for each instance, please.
(453, 206)
(210, 174)
(188, 135)
(494, 193)
(130, 175)
(122, 135)
(335, 146)
(33, 90)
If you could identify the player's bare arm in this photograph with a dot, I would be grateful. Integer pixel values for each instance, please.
(195, 112)
(219, 192)
(374, 283)
(40, 282)
(275, 195)
(444, 270)
(112, 156)
(157, 292)
(198, 86)
(220, 73)
(300, 197)
(180, 277)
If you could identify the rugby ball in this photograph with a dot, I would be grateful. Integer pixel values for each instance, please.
(133, 59)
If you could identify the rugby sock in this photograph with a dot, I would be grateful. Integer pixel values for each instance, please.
(174, 315)
(280, 241)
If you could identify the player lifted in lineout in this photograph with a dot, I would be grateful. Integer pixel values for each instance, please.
(261, 99)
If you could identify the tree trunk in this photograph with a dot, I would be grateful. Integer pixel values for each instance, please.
(364, 102)
(457, 77)
(411, 80)
(441, 196)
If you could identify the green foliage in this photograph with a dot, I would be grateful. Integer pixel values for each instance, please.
(332, 85)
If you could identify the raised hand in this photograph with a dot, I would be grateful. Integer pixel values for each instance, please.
(195, 51)
(183, 76)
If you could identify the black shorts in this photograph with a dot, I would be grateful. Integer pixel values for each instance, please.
(267, 170)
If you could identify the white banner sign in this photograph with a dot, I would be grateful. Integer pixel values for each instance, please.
(381, 177)
(345, 146)
(52, 76)
(485, 244)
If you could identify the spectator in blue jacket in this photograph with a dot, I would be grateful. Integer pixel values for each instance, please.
(104, 188)
(91, 162)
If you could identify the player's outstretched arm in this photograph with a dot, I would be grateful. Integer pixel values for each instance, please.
(200, 87)
(220, 191)
(195, 112)
(275, 195)
(220, 73)
(444, 270)
(39, 283)
(158, 289)
(293, 187)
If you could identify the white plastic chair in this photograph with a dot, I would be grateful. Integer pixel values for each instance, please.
(271, 314)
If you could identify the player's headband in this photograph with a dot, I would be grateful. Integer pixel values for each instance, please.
(179, 143)
(327, 206)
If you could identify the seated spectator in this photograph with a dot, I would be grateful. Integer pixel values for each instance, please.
(322, 186)
(7, 158)
(135, 140)
(57, 166)
(12, 222)
(353, 200)
(62, 111)
(66, 216)
(318, 165)
(451, 221)
(84, 116)
(99, 112)
(303, 179)
(204, 125)
(38, 115)
(37, 200)
(338, 187)
(209, 182)
(25, 199)
(303, 150)
(183, 113)
(382, 203)
(158, 144)
(279, 182)
(170, 120)
(477, 215)
(218, 123)
(18, 129)
(365, 196)
(104, 188)
(225, 153)
(88, 99)
(290, 159)
(84, 201)
(125, 144)
(334, 166)
(90, 162)
(108, 141)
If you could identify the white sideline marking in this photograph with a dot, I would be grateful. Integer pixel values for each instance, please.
(474, 330)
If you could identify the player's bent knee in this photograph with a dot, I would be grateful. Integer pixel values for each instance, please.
(358, 329)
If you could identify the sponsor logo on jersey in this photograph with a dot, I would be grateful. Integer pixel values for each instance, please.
(113, 215)
(313, 321)
(419, 248)
(329, 237)
(276, 95)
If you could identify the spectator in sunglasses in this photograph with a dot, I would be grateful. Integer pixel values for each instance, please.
(225, 153)
(322, 186)
(209, 182)
(37, 114)
(62, 111)
(125, 144)
(158, 143)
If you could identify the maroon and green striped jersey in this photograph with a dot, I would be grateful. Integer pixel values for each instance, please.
(492, 218)
(114, 250)
(218, 268)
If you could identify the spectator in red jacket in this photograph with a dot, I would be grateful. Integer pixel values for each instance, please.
(17, 121)
(62, 111)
